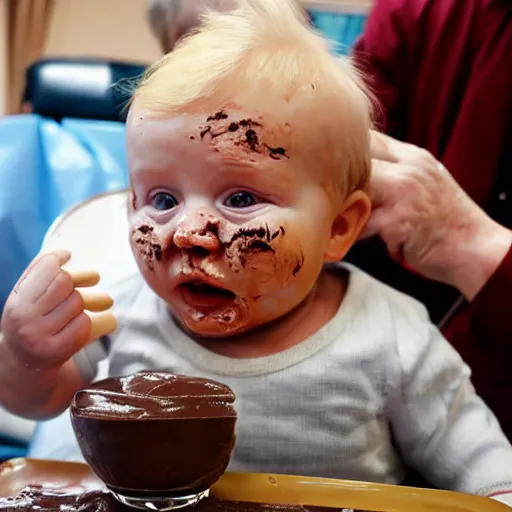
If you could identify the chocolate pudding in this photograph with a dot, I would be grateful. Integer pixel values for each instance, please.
(47, 500)
(156, 434)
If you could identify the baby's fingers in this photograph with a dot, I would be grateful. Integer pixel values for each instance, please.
(70, 339)
(57, 292)
(77, 333)
(57, 319)
(84, 278)
(102, 324)
(81, 330)
(40, 274)
(96, 302)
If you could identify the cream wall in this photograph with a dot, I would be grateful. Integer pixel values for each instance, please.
(116, 29)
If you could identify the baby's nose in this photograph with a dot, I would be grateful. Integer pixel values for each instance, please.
(199, 231)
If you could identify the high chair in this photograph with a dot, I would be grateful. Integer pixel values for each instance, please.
(96, 232)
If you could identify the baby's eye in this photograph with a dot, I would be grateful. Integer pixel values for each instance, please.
(164, 201)
(241, 200)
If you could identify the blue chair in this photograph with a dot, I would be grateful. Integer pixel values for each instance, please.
(71, 149)
(46, 168)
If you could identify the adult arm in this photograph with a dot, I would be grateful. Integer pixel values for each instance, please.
(490, 309)
(483, 336)
(380, 54)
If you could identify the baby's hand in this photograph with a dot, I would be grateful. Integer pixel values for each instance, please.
(44, 321)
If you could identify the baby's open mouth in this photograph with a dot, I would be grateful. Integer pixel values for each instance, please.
(201, 295)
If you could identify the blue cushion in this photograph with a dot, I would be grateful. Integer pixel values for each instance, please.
(45, 168)
(343, 29)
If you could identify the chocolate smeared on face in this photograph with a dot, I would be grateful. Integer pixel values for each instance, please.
(216, 129)
(252, 140)
(211, 226)
(260, 246)
(221, 114)
(299, 264)
(247, 242)
(260, 232)
(147, 244)
(244, 133)
(277, 153)
(181, 428)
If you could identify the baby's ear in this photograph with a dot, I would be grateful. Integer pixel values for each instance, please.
(348, 225)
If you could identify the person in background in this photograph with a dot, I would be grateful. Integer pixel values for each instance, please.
(170, 20)
(442, 72)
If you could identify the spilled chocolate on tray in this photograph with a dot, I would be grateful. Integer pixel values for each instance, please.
(59, 500)
(156, 434)
(48, 500)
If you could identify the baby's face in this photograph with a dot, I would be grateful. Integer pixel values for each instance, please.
(226, 225)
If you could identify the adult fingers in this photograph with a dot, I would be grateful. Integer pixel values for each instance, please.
(382, 147)
(393, 232)
(374, 225)
(411, 155)
(388, 149)
(383, 181)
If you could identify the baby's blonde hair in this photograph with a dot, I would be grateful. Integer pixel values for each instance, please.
(265, 48)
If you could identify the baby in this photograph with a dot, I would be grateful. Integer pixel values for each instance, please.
(248, 149)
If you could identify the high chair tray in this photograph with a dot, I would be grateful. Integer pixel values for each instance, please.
(346, 496)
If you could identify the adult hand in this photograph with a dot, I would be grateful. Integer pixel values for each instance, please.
(428, 222)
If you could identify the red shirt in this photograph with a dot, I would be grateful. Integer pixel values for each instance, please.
(442, 71)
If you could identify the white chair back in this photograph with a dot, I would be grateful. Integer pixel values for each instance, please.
(96, 233)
